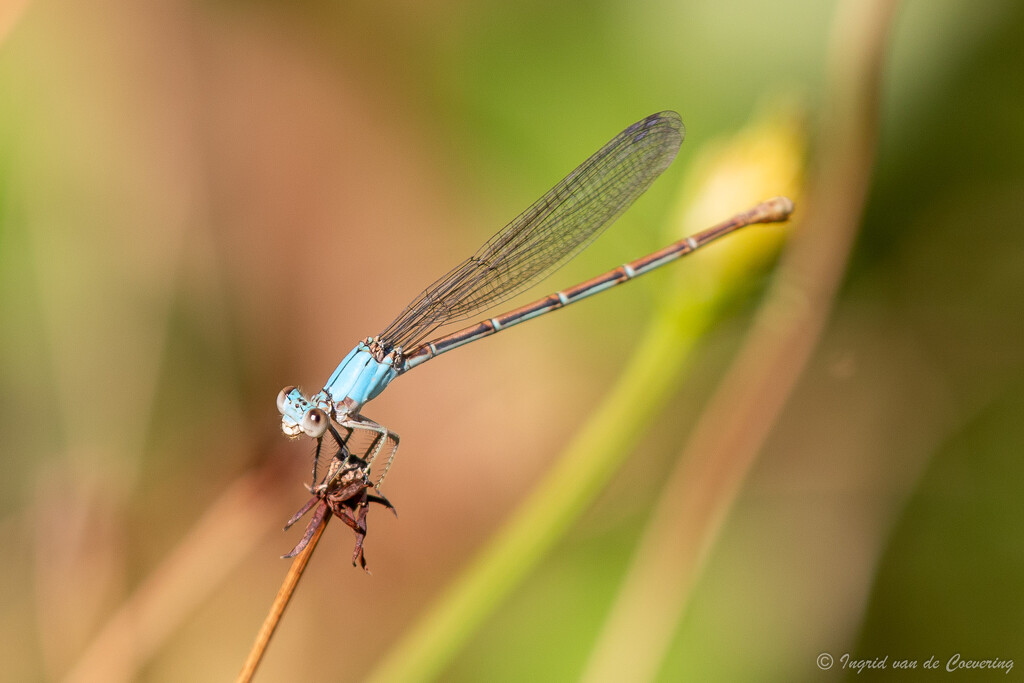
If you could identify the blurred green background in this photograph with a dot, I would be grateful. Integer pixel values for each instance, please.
(203, 202)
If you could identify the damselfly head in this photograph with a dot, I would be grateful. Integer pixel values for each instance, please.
(299, 415)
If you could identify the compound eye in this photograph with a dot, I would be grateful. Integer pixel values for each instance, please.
(314, 423)
(282, 399)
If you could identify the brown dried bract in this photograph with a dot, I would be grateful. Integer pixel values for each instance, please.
(348, 497)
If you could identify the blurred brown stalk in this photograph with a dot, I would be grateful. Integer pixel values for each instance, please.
(730, 433)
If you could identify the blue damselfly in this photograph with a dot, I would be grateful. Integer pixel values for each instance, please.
(549, 233)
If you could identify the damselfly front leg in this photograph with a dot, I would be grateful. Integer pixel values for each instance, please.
(342, 444)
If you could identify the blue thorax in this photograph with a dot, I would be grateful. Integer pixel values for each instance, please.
(360, 377)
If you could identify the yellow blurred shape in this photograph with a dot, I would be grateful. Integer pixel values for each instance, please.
(763, 160)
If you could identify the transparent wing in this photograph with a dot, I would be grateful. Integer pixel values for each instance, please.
(553, 230)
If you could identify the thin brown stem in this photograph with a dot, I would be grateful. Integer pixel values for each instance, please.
(284, 596)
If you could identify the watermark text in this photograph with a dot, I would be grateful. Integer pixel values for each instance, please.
(956, 663)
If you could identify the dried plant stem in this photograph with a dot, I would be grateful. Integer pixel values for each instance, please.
(284, 595)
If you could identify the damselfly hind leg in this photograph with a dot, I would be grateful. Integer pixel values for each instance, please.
(387, 465)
